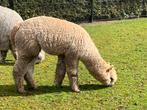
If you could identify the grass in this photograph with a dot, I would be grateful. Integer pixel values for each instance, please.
(123, 43)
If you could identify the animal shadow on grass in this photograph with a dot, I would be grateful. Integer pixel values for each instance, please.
(7, 63)
(9, 90)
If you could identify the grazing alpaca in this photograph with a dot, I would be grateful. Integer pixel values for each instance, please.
(8, 19)
(68, 41)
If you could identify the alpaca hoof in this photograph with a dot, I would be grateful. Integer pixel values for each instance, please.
(76, 89)
(58, 85)
(21, 91)
(32, 88)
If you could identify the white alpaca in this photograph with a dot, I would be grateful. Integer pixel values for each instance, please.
(8, 19)
(69, 41)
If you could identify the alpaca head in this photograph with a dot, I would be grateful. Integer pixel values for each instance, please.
(108, 76)
(103, 72)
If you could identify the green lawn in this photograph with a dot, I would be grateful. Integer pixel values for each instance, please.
(123, 43)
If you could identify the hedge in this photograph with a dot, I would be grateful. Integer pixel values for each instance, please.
(80, 10)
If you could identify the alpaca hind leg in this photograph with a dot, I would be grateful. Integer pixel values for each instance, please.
(29, 75)
(19, 70)
(60, 70)
(72, 71)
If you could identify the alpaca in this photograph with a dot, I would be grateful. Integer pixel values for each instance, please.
(8, 19)
(69, 41)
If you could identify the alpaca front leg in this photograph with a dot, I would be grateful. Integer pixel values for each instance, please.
(72, 71)
(60, 71)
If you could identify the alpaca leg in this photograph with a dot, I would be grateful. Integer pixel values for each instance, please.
(3, 55)
(72, 71)
(29, 75)
(20, 68)
(41, 57)
(60, 71)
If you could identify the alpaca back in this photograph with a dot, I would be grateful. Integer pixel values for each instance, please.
(8, 19)
(55, 36)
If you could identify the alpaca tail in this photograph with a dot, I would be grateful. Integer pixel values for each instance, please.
(12, 40)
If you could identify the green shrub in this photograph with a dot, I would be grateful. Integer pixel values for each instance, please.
(80, 10)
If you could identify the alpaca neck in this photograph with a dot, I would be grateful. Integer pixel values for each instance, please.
(94, 62)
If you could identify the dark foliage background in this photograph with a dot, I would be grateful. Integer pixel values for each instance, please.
(79, 10)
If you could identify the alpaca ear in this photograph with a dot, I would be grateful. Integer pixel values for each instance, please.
(110, 68)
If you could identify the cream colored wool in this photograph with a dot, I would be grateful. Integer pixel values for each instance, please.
(69, 41)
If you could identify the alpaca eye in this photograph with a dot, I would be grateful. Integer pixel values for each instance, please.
(109, 69)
